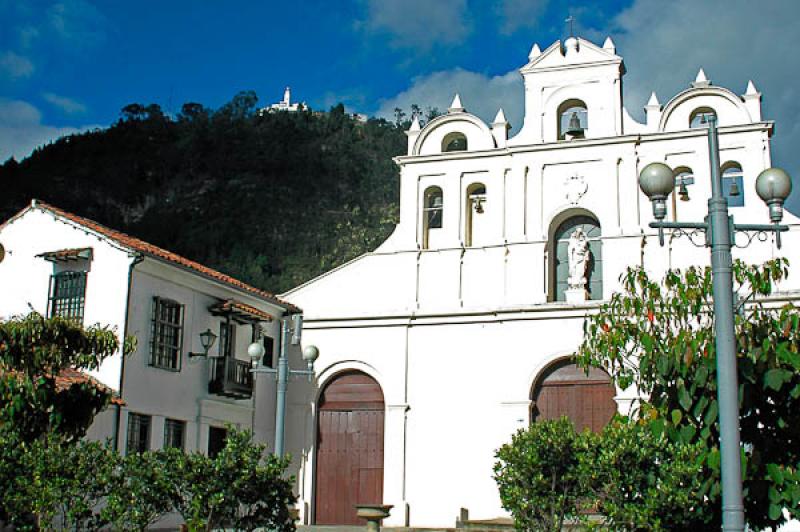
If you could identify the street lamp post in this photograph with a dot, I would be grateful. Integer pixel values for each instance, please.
(773, 185)
(291, 329)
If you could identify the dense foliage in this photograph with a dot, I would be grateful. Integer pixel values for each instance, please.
(33, 351)
(271, 198)
(624, 478)
(50, 477)
(542, 475)
(660, 338)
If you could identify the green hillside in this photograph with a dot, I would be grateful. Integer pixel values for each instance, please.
(274, 199)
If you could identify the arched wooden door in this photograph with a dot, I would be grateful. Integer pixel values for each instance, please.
(349, 468)
(566, 390)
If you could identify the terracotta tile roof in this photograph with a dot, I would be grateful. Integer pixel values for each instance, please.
(237, 308)
(148, 249)
(71, 376)
(68, 377)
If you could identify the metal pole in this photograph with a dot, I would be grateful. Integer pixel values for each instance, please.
(283, 384)
(727, 384)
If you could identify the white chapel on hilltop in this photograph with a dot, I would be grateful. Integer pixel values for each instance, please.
(457, 331)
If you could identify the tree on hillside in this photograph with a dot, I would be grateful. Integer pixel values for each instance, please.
(659, 337)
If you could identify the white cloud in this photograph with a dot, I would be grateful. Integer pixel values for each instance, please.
(418, 24)
(519, 14)
(665, 43)
(77, 22)
(67, 105)
(21, 129)
(15, 66)
(481, 95)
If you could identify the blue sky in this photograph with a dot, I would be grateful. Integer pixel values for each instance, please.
(69, 65)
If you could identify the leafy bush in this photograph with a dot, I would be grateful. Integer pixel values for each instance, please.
(643, 481)
(542, 474)
(660, 338)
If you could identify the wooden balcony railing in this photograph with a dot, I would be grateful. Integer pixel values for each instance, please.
(231, 377)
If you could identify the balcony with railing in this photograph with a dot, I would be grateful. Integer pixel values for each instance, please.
(231, 378)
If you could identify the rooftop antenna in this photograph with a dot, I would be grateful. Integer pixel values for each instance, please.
(571, 21)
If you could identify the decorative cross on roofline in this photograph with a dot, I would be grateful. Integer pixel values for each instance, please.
(571, 20)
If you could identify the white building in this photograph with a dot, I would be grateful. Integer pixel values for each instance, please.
(285, 104)
(57, 263)
(456, 331)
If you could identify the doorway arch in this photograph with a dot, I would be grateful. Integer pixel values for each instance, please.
(564, 389)
(349, 462)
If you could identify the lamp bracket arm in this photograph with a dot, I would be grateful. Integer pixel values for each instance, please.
(691, 230)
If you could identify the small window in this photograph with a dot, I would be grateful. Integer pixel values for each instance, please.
(167, 334)
(454, 142)
(733, 184)
(266, 341)
(67, 296)
(269, 350)
(174, 433)
(227, 339)
(699, 117)
(216, 440)
(138, 433)
(573, 120)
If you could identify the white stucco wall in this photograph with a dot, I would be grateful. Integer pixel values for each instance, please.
(25, 278)
(456, 335)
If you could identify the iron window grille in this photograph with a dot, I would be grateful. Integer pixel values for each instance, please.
(174, 433)
(67, 296)
(167, 334)
(138, 433)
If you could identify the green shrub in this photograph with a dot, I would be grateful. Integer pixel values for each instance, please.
(542, 474)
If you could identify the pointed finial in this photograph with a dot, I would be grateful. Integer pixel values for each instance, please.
(701, 80)
(414, 124)
(609, 45)
(500, 118)
(535, 52)
(456, 106)
(653, 101)
(751, 88)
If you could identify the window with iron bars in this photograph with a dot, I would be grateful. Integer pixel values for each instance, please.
(138, 433)
(67, 296)
(167, 334)
(174, 431)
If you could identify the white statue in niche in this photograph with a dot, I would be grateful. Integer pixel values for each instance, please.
(578, 253)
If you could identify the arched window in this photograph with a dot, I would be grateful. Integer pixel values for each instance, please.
(560, 269)
(475, 219)
(432, 212)
(454, 141)
(733, 184)
(573, 120)
(699, 116)
(564, 389)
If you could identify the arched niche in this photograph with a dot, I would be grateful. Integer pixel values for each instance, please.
(349, 450)
(432, 215)
(563, 389)
(454, 141)
(475, 220)
(558, 265)
(699, 117)
(573, 119)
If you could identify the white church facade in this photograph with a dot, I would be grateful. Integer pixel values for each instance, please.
(457, 331)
